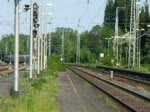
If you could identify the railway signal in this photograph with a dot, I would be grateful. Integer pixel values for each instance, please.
(35, 18)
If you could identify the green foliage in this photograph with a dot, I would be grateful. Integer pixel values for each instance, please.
(42, 92)
(54, 64)
(146, 59)
(38, 83)
(112, 104)
(8, 40)
(87, 56)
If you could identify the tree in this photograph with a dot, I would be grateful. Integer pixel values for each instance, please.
(109, 17)
(10, 40)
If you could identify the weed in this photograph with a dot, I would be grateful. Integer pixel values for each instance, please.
(42, 92)
(111, 104)
(88, 84)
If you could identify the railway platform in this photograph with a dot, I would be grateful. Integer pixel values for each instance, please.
(77, 95)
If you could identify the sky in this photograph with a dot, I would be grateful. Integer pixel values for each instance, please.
(66, 13)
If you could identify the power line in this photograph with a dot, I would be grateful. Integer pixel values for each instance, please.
(100, 9)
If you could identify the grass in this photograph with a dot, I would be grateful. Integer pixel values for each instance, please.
(40, 95)
(111, 104)
(143, 68)
(88, 84)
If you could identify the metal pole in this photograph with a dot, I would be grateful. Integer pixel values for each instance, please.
(38, 43)
(45, 46)
(78, 49)
(50, 44)
(140, 49)
(137, 32)
(44, 38)
(38, 48)
(6, 45)
(121, 52)
(126, 55)
(42, 35)
(46, 41)
(34, 51)
(108, 49)
(39, 39)
(31, 39)
(44, 32)
(116, 36)
(16, 61)
(41, 52)
(10, 58)
(63, 46)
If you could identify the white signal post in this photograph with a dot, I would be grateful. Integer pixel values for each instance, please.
(16, 58)
(31, 39)
(44, 36)
(16, 51)
(38, 46)
(45, 39)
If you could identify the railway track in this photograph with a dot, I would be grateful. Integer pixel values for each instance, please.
(137, 84)
(130, 73)
(121, 75)
(128, 98)
(7, 70)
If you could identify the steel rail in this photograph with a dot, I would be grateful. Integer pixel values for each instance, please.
(127, 90)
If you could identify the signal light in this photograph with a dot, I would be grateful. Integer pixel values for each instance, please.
(34, 32)
(35, 14)
(35, 18)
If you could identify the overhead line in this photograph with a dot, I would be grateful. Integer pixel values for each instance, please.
(97, 14)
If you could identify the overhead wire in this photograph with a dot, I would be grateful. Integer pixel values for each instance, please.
(83, 15)
(100, 9)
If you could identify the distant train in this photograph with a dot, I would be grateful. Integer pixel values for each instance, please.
(22, 58)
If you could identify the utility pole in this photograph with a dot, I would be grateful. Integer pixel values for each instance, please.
(78, 45)
(6, 47)
(115, 47)
(116, 38)
(78, 49)
(49, 53)
(132, 40)
(62, 47)
(16, 58)
(137, 27)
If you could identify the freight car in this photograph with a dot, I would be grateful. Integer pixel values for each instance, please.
(22, 58)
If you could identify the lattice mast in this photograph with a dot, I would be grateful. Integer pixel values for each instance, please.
(132, 39)
(115, 46)
(78, 45)
(137, 29)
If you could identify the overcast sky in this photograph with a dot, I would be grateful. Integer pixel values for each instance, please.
(66, 13)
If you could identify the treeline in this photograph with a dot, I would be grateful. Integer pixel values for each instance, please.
(92, 43)
(7, 44)
(124, 22)
(95, 41)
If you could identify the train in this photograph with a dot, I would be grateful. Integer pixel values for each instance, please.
(22, 58)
